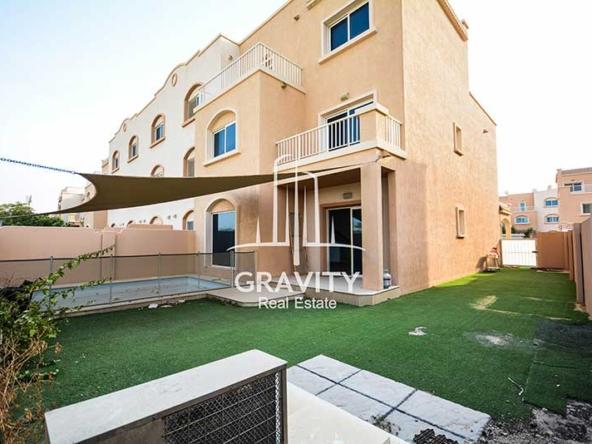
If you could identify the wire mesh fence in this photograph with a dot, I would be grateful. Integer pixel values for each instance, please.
(132, 278)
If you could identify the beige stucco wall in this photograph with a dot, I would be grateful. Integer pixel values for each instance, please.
(436, 96)
(419, 225)
(570, 207)
(586, 238)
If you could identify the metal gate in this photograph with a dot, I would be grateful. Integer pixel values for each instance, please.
(520, 252)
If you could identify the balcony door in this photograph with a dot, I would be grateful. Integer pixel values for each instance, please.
(343, 128)
(344, 226)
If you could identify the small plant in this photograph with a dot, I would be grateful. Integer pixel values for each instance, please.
(27, 326)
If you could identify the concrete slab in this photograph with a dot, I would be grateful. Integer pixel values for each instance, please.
(378, 387)
(406, 427)
(355, 403)
(307, 380)
(251, 298)
(314, 421)
(446, 414)
(329, 368)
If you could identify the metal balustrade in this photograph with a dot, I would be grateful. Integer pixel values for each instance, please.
(257, 57)
(346, 132)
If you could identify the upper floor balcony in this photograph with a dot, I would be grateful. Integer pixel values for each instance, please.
(369, 128)
(258, 57)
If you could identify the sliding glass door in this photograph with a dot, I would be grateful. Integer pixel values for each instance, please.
(223, 235)
(344, 226)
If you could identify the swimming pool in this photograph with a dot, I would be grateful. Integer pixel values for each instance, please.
(127, 291)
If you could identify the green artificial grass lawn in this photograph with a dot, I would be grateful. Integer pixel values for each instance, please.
(107, 352)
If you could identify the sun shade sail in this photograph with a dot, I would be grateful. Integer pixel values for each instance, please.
(113, 192)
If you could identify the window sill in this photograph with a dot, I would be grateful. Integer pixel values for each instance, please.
(188, 121)
(156, 142)
(131, 159)
(460, 236)
(459, 152)
(222, 157)
(115, 170)
(363, 36)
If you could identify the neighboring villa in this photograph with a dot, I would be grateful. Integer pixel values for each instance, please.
(373, 96)
(71, 197)
(537, 210)
(575, 195)
(554, 209)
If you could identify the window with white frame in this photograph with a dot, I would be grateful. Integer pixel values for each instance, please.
(189, 163)
(552, 219)
(551, 202)
(574, 187)
(522, 206)
(460, 222)
(458, 140)
(347, 26)
(157, 171)
(188, 221)
(192, 101)
(133, 148)
(158, 129)
(586, 207)
(520, 220)
(115, 161)
(225, 140)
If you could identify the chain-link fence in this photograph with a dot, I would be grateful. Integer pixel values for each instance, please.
(133, 278)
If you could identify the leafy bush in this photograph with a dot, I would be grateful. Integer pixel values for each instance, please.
(27, 326)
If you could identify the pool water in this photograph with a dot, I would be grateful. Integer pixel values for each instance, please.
(108, 293)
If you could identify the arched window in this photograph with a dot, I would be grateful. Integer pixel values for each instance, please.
(156, 220)
(222, 135)
(221, 231)
(132, 148)
(157, 171)
(551, 202)
(189, 163)
(192, 101)
(552, 219)
(115, 161)
(188, 221)
(158, 129)
(520, 220)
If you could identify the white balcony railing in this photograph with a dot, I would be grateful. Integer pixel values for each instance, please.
(346, 132)
(257, 57)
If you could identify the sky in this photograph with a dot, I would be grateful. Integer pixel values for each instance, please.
(70, 72)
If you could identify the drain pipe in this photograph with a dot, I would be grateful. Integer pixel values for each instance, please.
(158, 271)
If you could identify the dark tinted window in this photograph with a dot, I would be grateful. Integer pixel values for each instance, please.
(359, 21)
(223, 227)
(339, 34)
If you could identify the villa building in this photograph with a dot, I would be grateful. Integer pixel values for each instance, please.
(575, 194)
(71, 197)
(370, 101)
(538, 210)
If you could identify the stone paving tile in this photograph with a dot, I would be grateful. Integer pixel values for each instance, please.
(406, 427)
(379, 387)
(329, 367)
(446, 414)
(308, 381)
(354, 403)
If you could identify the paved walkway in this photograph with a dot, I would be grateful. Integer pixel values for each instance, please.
(373, 398)
(252, 298)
